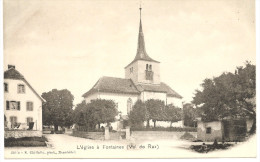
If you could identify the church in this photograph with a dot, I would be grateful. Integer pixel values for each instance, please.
(142, 82)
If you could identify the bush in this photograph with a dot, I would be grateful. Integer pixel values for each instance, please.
(26, 142)
(207, 148)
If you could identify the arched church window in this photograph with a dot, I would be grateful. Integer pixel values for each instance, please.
(150, 67)
(129, 105)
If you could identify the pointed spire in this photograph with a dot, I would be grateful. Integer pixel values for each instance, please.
(141, 52)
(140, 11)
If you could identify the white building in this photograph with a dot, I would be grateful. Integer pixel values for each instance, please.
(142, 81)
(22, 104)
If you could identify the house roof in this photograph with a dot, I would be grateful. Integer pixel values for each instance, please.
(113, 85)
(141, 51)
(162, 87)
(12, 73)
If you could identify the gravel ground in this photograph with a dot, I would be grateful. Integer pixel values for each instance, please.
(66, 146)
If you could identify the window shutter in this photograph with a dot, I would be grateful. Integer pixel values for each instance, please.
(7, 105)
(27, 106)
(6, 87)
(32, 106)
(18, 105)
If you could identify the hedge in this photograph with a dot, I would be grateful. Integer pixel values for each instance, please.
(26, 142)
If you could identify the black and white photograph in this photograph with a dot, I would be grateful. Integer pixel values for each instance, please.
(129, 79)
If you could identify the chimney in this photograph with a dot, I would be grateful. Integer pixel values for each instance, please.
(11, 66)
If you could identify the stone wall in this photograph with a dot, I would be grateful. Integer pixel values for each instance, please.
(21, 133)
(235, 130)
(158, 135)
(138, 135)
(227, 130)
(216, 131)
(97, 135)
(89, 135)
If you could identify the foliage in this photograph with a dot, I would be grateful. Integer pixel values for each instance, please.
(57, 110)
(94, 113)
(156, 110)
(139, 114)
(229, 95)
(79, 114)
(25, 142)
(173, 114)
(102, 111)
(189, 115)
(205, 148)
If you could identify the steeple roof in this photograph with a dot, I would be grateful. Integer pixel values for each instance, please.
(141, 51)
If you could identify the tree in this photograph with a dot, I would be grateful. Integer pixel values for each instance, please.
(79, 113)
(229, 95)
(189, 115)
(58, 107)
(156, 111)
(139, 114)
(94, 113)
(173, 114)
(102, 111)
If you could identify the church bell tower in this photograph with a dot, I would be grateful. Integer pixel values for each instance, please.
(143, 69)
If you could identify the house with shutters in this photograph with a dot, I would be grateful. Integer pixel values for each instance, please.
(142, 81)
(22, 104)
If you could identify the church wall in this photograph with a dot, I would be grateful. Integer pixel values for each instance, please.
(141, 72)
(91, 97)
(132, 75)
(175, 101)
(153, 95)
(120, 99)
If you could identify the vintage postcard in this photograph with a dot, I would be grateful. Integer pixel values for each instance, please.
(129, 79)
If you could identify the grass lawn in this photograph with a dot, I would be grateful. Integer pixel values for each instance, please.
(26, 142)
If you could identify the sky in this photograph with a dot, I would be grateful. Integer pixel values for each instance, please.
(70, 44)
